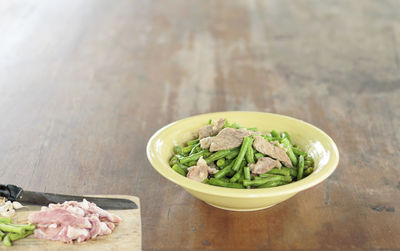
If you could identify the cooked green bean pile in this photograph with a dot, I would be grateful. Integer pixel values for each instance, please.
(234, 167)
(11, 232)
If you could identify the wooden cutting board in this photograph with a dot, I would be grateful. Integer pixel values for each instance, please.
(126, 236)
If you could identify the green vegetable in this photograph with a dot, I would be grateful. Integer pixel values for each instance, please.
(285, 135)
(258, 155)
(14, 236)
(7, 241)
(195, 149)
(227, 169)
(217, 182)
(279, 172)
(2, 234)
(292, 171)
(234, 152)
(250, 152)
(260, 182)
(275, 134)
(272, 184)
(173, 160)
(221, 162)
(188, 149)
(193, 157)
(217, 155)
(246, 171)
(286, 143)
(179, 170)
(243, 149)
(5, 220)
(193, 142)
(177, 150)
(298, 151)
(10, 228)
(301, 168)
(237, 175)
(308, 171)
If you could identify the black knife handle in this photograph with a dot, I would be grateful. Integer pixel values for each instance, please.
(11, 192)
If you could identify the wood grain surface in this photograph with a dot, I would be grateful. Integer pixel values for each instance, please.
(125, 237)
(85, 83)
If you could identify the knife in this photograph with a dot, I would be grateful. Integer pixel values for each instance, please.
(16, 193)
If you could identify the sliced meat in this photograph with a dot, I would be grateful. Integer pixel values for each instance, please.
(59, 216)
(198, 172)
(211, 130)
(205, 143)
(276, 152)
(263, 165)
(212, 168)
(228, 138)
(73, 221)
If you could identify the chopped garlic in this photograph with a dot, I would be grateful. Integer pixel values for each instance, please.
(7, 208)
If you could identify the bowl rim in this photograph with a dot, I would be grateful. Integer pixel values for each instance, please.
(291, 188)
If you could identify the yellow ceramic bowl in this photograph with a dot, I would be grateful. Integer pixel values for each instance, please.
(308, 137)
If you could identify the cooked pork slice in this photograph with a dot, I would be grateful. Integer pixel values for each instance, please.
(205, 143)
(198, 172)
(276, 152)
(211, 130)
(263, 165)
(212, 168)
(228, 138)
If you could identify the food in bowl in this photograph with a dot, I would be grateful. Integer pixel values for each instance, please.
(229, 155)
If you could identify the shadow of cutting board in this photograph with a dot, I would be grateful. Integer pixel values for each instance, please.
(126, 236)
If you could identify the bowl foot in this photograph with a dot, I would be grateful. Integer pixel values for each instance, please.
(240, 209)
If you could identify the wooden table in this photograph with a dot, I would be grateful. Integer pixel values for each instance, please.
(85, 83)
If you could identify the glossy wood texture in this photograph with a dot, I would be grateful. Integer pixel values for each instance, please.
(85, 83)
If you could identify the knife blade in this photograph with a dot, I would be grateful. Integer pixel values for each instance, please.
(15, 193)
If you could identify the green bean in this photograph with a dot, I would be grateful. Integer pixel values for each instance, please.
(267, 175)
(7, 241)
(279, 172)
(5, 220)
(301, 167)
(10, 228)
(193, 157)
(192, 163)
(28, 227)
(246, 171)
(285, 135)
(252, 129)
(235, 125)
(2, 234)
(217, 155)
(250, 152)
(246, 174)
(259, 182)
(309, 162)
(234, 152)
(179, 170)
(268, 138)
(183, 167)
(217, 182)
(275, 134)
(227, 169)
(242, 152)
(193, 142)
(292, 171)
(177, 150)
(195, 149)
(209, 122)
(285, 142)
(173, 160)
(258, 155)
(205, 181)
(221, 162)
(308, 171)
(14, 236)
(224, 179)
(298, 151)
(272, 184)
(188, 149)
(237, 175)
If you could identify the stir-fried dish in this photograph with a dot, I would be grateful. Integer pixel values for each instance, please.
(229, 155)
